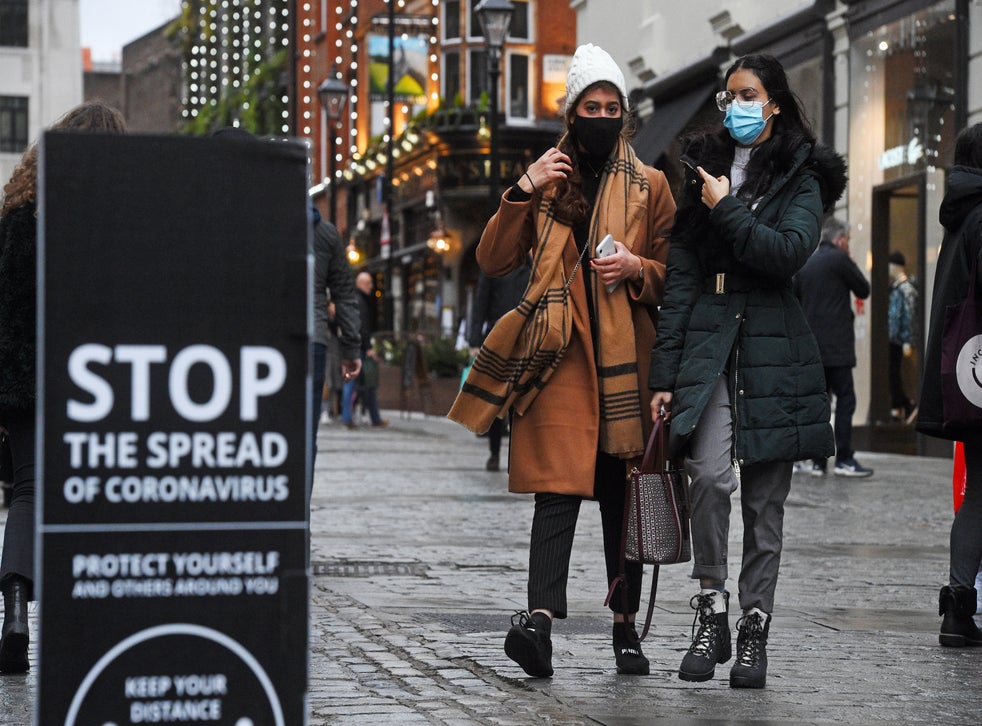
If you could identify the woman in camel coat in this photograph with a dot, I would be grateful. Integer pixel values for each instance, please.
(580, 405)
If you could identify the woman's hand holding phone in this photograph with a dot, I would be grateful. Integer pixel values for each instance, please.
(614, 262)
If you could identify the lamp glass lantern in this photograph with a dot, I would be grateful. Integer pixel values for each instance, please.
(333, 95)
(495, 18)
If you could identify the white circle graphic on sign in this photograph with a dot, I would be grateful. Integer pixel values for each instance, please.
(171, 629)
(968, 370)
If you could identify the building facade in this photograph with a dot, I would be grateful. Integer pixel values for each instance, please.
(888, 83)
(40, 71)
(406, 171)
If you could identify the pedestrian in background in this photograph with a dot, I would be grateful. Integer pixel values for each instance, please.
(824, 286)
(18, 384)
(367, 383)
(495, 297)
(735, 361)
(333, 284)
(580, 416)
(902, 322)
(961, 215)
(333, 374)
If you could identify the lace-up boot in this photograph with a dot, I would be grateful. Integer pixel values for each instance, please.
(957, 605)
(711, 644)
(627, 651)
(528, 643)
(750, 668)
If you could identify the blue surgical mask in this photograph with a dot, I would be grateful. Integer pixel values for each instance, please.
(745, 124)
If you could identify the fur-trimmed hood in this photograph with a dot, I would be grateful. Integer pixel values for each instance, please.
(829, 167)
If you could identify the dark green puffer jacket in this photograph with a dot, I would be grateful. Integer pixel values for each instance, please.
(756, 331)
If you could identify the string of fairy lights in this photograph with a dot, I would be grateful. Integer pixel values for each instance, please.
(231, 39)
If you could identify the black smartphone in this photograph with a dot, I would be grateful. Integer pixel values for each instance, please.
(692, 176)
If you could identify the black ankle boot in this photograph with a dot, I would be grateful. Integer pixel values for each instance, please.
(627, 651)
(750, 668)
(711, 645)
(528, 643)
(13, 644)
(957, 604)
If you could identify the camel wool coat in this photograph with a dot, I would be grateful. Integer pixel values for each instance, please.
(554, 444)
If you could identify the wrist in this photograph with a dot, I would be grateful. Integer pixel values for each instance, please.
(639, 276)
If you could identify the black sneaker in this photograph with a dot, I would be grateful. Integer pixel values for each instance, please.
(711, 645)
(750, 668)
(627, 651)
(492, 463)
(529, 645)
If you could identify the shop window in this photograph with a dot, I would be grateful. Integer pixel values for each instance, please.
(451, 79)
(451, 19)
(901, 138)
(902, 94)
(518, 86)
(13, 23)
(13, 124)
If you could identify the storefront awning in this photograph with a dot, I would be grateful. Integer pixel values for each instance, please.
(669, 119)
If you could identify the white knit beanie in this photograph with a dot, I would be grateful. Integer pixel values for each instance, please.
(590, 64)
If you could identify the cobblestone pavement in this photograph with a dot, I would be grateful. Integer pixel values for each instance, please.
(419, 558)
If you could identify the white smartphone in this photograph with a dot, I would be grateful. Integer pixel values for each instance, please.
(604, 248)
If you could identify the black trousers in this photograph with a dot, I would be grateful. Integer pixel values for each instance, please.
(838, 380)
(494, 436)
(18, 535)
(553, 527)
(966, 530)
(898, 397)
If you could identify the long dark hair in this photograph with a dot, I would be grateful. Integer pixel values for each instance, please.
(789, 131)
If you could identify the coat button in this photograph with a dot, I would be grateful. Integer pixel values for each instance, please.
(741, 391)
(738, 316)
(741, 462)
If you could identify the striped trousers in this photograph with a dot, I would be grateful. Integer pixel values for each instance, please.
(553, 527)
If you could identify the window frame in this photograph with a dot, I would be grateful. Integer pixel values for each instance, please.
(15, 9)
(19, 116)
(530, 101)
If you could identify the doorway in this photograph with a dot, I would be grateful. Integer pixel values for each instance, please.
(898, 226)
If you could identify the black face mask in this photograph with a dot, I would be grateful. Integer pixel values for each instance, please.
(598, 136)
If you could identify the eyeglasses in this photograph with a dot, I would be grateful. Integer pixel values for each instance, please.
(725, 98)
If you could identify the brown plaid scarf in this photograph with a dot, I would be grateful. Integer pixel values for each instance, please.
(525, 346)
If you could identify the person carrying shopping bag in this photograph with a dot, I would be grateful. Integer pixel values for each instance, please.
(960, 254)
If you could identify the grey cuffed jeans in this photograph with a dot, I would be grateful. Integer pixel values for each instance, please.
(764, 488)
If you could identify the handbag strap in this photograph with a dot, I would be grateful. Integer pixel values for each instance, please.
(656, 447)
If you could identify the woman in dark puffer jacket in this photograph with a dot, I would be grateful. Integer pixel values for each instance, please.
(735, 360)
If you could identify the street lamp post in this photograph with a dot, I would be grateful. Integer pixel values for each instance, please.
(495, 17)
(333, 95)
